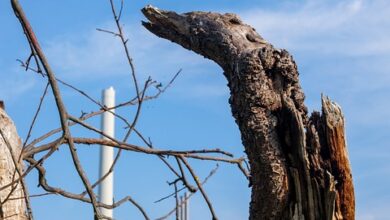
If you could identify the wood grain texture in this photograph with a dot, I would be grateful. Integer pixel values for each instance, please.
(10, 208)
(338, 158)
(298, 164)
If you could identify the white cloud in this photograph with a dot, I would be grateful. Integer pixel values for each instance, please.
(85, 55)
(352, 27)
(346, 28)
(343, 28)
(96, 54)
(345, 46)
(91, 55)
(12, 88)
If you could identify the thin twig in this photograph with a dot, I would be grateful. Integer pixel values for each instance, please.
(19, 171)
(131, 127)
(107, 31)
(138, 112)
(108, 172)
(32, 196)
(131, 102)
(79, 197)
(199, 184)
(58, 99)
(212, 172)
(36, 115)
(56, 143)
(176, 199)
(126, 146)
(30, 130)
(120, 10)
(183, 177)
(124, 43)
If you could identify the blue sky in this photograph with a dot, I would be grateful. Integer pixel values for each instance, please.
(342, 49)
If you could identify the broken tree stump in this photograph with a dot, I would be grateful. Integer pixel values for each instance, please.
(12, 202)
(299, 164)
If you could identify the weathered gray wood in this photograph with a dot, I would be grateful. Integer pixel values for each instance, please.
(295, 160)
(12, 204)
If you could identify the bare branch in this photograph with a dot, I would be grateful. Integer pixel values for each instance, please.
(121, 145)
(67, 120)
(131, 102)
(35, 116)
(176, 199)
(58, 99)
(199, 184)
(212, 172)
(183, 177)
(58, 191)
(19, 171)
(107, 31)
(124, 43)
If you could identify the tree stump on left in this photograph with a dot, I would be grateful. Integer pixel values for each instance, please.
(12, 202)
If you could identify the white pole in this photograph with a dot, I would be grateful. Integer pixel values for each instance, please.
(186, 208)
(106, 190)
(181, 215)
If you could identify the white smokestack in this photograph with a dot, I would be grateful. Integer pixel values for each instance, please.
(106, 190)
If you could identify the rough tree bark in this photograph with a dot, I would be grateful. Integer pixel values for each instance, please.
(12, 204)
(299, 164)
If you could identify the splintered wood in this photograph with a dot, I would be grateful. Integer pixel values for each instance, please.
(299, 164)
(338, 157)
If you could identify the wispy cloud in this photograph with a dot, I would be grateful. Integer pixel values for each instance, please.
(346, 48)
(96, 54)
(15, 86)
(352, 27)
(348, 40)
(93, 55)
(344, 51)
(88, 54)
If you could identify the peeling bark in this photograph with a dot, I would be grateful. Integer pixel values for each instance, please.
(12, 204)
(299, 165)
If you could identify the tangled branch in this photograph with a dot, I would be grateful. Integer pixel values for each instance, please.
(36, 152)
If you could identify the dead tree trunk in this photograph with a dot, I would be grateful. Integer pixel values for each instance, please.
(299, 164)
(12, 202)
